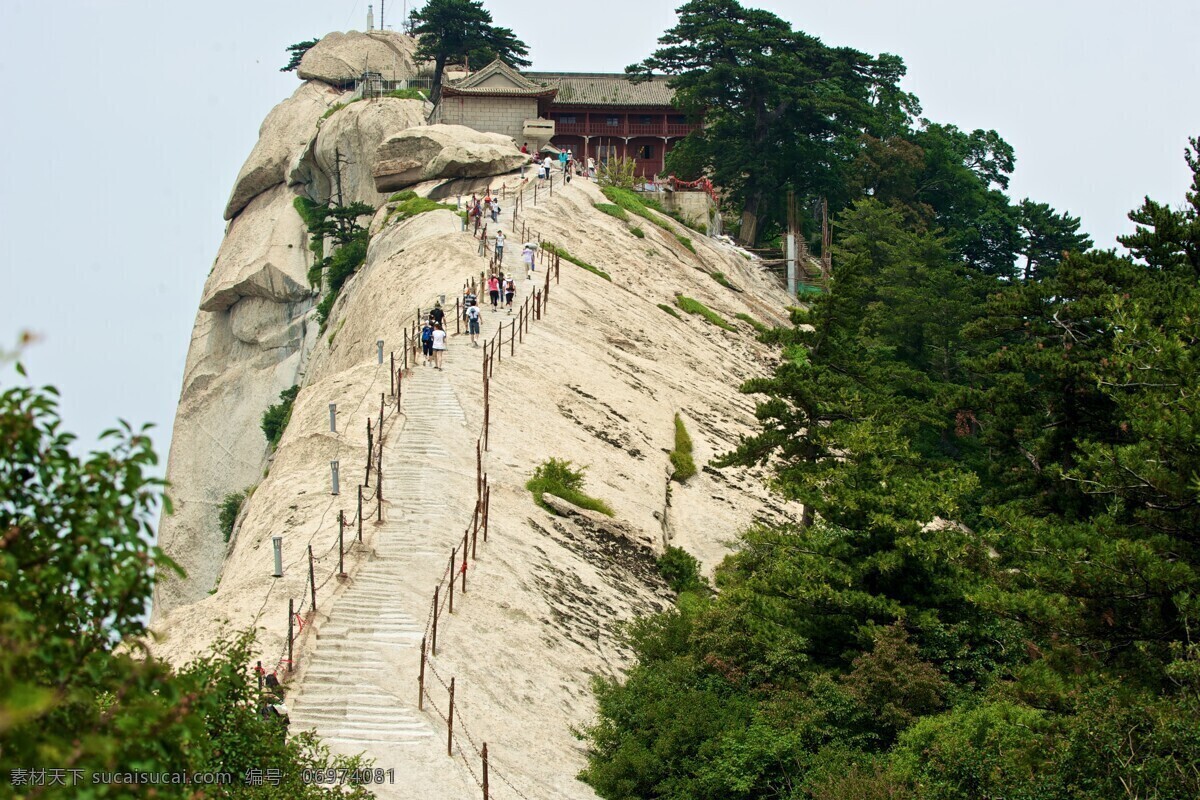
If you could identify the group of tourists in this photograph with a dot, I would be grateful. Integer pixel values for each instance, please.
(433, 336)
(488, 204)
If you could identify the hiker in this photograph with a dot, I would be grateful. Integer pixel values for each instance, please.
(427, 341)
(495, 209)
(499, 245)
(527, 258)
(509, 289)
(438, 345)
(525, 148)
(493, 286)
(473, 323)
(563, 157)
(591, 167)
(437, 315)
(547, 164)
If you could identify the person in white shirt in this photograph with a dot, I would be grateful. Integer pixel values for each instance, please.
(527, 257)
(439, 345)
(473, 323)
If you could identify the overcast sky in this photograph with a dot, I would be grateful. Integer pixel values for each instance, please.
(127, 121)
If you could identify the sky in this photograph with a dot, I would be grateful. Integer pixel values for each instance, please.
(128, 120)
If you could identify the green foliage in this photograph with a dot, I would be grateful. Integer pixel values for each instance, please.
(297, 52)
(556, 477)
(633, 203)
(612, 211)
(461, 29)
(620, 173)
(686, 242)
(333, 109)
(638, 232)
(759, 328)
(720, 278)
(681, 571)
(681, 456)
(231, 506)
(670, 310)
(339, 223)
(407, 94)
(276, 417)
(992, 589)
(565, 256)
(313, 215)
(699, 309)
(401, 196)
(77, 569)
(410, 206)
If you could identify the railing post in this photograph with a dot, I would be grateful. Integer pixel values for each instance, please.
(485, 772)
(464, 563)
(450, 723)
(475, 529)
(512, 339)
(478, 469)
(453, 558)
(370, 448)
(487, 507)
(392, 371)
(421, 679)
(457, 316)
(311, 579)
(291, 630)
(341, 543)
(360, 513)
(436, 592)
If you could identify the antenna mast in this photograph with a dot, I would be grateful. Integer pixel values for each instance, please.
(381, 16)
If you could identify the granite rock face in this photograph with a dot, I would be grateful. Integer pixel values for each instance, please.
(343, 57)
(284, 134)
(442, 151)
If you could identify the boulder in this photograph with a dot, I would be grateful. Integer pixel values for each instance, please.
(263, 255)
(340, 58)
(358, 128)
(442, 151)
(285, 133)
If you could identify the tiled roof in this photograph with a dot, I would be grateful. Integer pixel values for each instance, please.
(604, 89)
(518, 84)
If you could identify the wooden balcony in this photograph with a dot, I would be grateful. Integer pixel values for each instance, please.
(600, 127)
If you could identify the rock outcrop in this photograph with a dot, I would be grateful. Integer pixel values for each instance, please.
(442, 151)
(341, 58)
(285, 133)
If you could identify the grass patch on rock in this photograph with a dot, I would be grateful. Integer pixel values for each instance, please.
(276, 417)
(638, 232)
(410, 206)
(686, 242)
(752, 322)
(631, 202)
(692, 306)
(231, 506)
(681, 456)
(613, 211)
(556, 477)
(670, 310)
(565, 256)
(406, 94)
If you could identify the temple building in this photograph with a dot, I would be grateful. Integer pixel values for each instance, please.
(594, 115)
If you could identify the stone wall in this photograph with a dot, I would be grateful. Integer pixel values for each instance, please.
(505, 115)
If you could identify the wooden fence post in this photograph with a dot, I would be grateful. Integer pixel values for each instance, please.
(453, 558)
(370, 447)
(475, 528)
(485, 772)
(360, 513)
(341, 543)
(512, 339)
(464, 563)
(487, 502)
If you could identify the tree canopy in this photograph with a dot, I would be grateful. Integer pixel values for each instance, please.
(462, 29)
(79, 695)
(297, 52)
(993, 591)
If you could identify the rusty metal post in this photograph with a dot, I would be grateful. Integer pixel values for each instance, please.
(370, 447)
(421, 679)
(478, 469)
(457, 316)
(485, 772)
(406, 348)
(392, 371)
(464, 563)
(291, 630)
(512, 339)
(487, 409)
(360, 513)
(436, 591)
(399, 386)
(453, 558)
(521, 325)
(487, 508)
(341, 543)
(311, 580)
(450, 723)
(475, 529)
(497, 335)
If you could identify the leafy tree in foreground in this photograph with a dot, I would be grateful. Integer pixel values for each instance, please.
(77, 691)
(461, 29)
